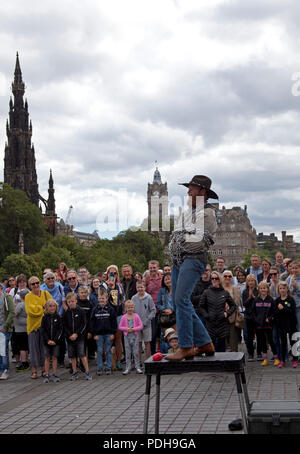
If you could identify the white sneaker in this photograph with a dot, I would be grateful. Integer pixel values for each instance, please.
(138, 370)
(4, 375)
(126, 371)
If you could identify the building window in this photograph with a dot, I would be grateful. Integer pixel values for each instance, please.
(232, 242)
(220, 252)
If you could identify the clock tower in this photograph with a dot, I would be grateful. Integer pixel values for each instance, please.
(157, 199)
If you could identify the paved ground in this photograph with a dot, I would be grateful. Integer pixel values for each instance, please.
(190, 403)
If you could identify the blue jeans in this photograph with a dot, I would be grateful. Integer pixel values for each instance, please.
(104, 339)
(191, 330)
(4, 360)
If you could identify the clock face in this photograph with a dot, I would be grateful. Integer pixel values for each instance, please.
(155, 193)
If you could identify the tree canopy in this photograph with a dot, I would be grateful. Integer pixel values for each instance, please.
(18, 214)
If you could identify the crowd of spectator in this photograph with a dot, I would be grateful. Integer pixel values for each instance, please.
(120, 319)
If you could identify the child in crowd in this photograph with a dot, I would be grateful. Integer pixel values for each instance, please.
(294, 284)
(167, 334)
(173, 342)
(21, 336)
(84, 303)
(74, 322)
(52, 331)
(103, 328)
(131, 324)
(144, 307)
(263, 311)
(285, 321)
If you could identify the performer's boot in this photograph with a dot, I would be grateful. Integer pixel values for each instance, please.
(208, 349)
(182, 353)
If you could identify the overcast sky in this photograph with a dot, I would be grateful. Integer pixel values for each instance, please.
(201, 87)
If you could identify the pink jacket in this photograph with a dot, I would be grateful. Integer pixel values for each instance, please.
(137, 324)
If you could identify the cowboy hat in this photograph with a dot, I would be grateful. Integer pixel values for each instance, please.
(203, 182)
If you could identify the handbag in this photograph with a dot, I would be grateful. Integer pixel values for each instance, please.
(167, 320)
(239, 319)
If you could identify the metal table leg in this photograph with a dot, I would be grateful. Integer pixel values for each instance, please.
(241, 400)
(147, 403)
(157, 404)
(244, 385)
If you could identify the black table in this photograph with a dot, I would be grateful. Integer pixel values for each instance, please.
(220, 362)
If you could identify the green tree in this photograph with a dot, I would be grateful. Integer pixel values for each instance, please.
(262, 253)
(135, 248)
(51, 256)
(79, 253)
(16, 264)
(18, 214)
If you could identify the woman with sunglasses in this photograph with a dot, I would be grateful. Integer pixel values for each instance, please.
(12, 284)
(55, 289)
(34, 307)
(216, 305)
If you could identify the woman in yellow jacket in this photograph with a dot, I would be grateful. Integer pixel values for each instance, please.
(34, 307)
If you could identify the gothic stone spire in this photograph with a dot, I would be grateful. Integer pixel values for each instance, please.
(19, 160)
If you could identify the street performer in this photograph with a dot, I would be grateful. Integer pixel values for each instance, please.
(189, 244)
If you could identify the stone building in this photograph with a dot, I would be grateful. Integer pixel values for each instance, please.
(158, 222)
(157, 200)
(292, 249)
(235, 236)
(19, 154)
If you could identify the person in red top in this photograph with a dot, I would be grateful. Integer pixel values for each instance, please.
(153, 281)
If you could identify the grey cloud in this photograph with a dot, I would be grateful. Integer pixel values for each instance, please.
(253, 10)
(224, 101)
